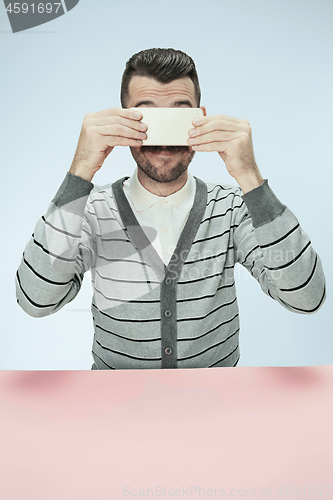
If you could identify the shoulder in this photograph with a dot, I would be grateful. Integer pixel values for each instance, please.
(221, 193)
(103, 192)
(101, 198)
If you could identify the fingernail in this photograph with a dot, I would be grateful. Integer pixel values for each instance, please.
(195, 121)
(143, 126)
(137, 114)
(192, 131)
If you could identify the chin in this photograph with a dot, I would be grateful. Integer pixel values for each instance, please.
(162, 168)
(163, 174)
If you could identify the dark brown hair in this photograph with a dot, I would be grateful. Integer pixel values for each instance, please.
(164, 65)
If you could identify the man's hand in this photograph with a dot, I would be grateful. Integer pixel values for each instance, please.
(100, 133)
(232, 139)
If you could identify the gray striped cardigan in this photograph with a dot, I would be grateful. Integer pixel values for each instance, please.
(146, 314)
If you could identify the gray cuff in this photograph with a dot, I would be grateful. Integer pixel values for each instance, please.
(72, 188)
(263, 205)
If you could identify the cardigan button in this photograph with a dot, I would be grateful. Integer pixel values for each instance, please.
(168, 281)
(167, 313)
(168, 350)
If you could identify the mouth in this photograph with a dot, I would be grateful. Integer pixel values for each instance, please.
(163, 153)
(164, 150)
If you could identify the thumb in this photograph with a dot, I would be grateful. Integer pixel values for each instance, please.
(223, 155)
(108, 151)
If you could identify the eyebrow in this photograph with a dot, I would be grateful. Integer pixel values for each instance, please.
(176, 104)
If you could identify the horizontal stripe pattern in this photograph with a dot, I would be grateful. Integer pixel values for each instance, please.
(88, 234)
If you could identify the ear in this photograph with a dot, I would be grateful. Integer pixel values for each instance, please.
(204, 110)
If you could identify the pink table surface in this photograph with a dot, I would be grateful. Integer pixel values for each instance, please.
(196, 433)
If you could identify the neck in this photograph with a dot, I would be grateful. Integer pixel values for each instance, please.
(162, 188)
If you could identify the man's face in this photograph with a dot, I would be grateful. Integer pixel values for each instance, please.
(162, 163)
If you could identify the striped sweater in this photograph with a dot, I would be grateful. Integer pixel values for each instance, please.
(185, 314)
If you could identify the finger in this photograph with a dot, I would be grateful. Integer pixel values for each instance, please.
(211, 146)
(218, 124)
(120, 130)
(112, 141)
(116, 119)
(202, 120)
(215, 136)
(134, 114)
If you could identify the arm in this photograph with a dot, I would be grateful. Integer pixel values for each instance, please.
(268, 241)
(272, 246)
(59, 252)
(62, 249)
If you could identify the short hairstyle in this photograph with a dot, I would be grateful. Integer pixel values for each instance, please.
(163, 65)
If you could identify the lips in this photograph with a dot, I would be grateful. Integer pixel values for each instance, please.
(164, 150)
(163, 153)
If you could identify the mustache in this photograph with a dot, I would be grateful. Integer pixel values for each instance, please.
(171, 149)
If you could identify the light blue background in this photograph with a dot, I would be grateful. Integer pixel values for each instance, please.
(269, 62)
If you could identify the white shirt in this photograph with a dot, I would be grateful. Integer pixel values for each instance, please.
(166, 214)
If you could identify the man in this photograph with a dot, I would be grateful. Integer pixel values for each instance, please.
(162, 245)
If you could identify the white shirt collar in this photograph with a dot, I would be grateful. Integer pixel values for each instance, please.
(143, 199)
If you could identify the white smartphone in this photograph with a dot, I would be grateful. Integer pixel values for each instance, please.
(168, 126)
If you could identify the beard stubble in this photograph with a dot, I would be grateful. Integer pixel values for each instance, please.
(164, 172)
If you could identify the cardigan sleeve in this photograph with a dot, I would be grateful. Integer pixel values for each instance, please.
(59, 252)
(270, 243)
